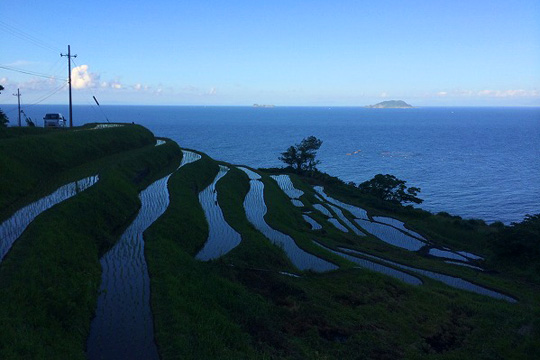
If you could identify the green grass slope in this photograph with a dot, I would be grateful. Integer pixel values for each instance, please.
(241, 306)
(26, 161)
(49, 280)
(244, 305)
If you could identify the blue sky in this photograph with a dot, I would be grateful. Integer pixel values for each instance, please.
(322, 53)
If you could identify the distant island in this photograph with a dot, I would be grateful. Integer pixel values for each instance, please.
(391, 104)
(263, 106)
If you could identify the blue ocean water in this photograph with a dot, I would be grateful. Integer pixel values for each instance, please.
(473, 162)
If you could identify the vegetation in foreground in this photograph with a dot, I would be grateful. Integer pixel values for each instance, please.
(259, 312)
(246, 304)
(50, 278)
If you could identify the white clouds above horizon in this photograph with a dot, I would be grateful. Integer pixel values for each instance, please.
(81, 78)
(511, 93)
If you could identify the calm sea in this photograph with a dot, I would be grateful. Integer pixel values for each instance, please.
(473, 162)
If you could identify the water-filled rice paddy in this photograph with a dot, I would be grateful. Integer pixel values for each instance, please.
(452, 281)
(12, 228)
(321, 208)
(346, 221)
(397, 224)
(255, 208)
(464, 264)
(338, 225)
(470, 256)
(373, 266)
(123, 323)
(446, 254)
(222, 238)
(357, 212)
(314, 225)
(390, 235)
(286, 185)
(297, 203)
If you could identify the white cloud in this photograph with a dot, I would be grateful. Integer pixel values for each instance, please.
(39, 84)
(384, 94)
(81, 78)
(139, 87)
(17, 63)
(512, 93)
(212, 91)
(509, 93)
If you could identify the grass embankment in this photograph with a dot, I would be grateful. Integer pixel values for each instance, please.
(487, 319)
(441, 229)
(27, 161)
(240, 306)
(49, 280)
(12, 132)
(197, 312)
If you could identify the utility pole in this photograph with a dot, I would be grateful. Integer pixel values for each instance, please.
(18, 95)
(69, 56)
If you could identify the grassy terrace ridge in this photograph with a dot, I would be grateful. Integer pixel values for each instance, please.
(242, 305)
(53, 151)
(49, 280)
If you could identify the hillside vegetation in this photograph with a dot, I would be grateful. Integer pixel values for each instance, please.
(251, 302)
(50, 278)
(34, 156)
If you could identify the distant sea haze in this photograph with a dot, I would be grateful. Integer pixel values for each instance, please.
(472, 162)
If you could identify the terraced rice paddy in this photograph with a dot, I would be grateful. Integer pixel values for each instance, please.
(346, 221)
(314, 225)
(398, 225)
(189, 157)
(373, 266)
(390, 235)
(452, 281)
(106, 126)
(123, 324)
(255, 208)
(338, 225)
(463, 264)
(446, 254)
(470, 256)
(321, 208)
(286, 185)
(297, 203)
(12, 228)
(357, 212)
(222, 238)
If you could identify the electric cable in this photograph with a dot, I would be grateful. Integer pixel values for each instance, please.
(10, 29)
(33, 73)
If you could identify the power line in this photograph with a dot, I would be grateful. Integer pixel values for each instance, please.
(25, 36)
(49, 95)
(28, 72)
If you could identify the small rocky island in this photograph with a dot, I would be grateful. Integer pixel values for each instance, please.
(391, 104)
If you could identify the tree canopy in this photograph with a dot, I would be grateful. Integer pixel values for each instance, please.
(519, 242)
(301, 157)
(3, 118)
(390, 188)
